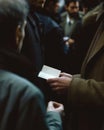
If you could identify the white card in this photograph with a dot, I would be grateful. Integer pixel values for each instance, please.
(48, 72)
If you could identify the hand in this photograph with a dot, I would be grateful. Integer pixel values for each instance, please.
(65, 75)
(71, 41)
(61, 83)
(56, 107)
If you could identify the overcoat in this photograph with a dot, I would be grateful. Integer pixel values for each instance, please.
(86, 93)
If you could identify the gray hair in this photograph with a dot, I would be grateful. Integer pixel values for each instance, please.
(13, 11)
(12, 14)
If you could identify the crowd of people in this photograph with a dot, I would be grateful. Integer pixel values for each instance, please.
(70, 38)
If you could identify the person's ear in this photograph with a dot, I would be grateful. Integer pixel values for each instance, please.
(20, 34)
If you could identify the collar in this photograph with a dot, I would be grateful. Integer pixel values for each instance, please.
(69, 20)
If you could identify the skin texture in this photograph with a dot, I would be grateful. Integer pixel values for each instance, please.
(62, 83)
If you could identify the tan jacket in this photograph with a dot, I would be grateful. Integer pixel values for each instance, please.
(86, 93)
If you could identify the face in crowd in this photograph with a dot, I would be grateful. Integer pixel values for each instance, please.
(72, 8)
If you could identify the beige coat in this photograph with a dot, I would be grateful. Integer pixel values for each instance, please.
(86, 93)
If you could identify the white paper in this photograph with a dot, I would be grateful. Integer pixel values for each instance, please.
(48, 72)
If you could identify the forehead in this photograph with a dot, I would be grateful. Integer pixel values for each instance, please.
(76, 4)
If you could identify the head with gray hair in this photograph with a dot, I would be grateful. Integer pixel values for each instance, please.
(13, 14)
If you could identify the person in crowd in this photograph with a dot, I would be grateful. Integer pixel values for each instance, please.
(11, 40)
(72, 25)
(84, 38)
(51, 36)
(32, 48)
(21, 103)
(86, 91)
(87, 5)
(71, 17)
(52, 9)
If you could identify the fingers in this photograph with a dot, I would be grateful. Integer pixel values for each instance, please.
(52, 80)
(66, 75)
(53, 84)
(61, 83)
(58, 88)
(54, 106)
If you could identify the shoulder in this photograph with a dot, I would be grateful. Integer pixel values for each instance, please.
(16, 85)
(63, 19)
(81, 14)
(91, 16)
(48, 23)
(64, 14)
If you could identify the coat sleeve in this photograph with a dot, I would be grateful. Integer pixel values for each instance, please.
(54, 121)
(86, 94)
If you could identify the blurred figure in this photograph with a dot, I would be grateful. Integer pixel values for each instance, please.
(22, 106)
(52, 8)
(21, 103)
(12, 33)
(72, 25)
(70, 17)
(38, 3)
(87, 5)
(40, 51)
(32, 48)
(86, 91)
(89, 27)
(52, 39)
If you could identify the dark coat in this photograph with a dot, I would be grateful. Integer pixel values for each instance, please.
(86, 93)
(85, 36)
(12, 61)
(33, 50)
(53, 43)
(22, 106)
(32, 47)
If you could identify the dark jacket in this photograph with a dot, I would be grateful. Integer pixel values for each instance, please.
(89, 27)
(32, 48)
(12, 61)
(53, 43)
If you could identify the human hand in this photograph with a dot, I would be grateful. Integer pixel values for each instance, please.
(61, 83)
(55, 106)
(65, 75)
(71, 41)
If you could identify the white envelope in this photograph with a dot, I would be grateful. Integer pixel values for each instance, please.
(48, 72)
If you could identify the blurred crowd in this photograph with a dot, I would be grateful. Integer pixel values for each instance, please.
(67, 35)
